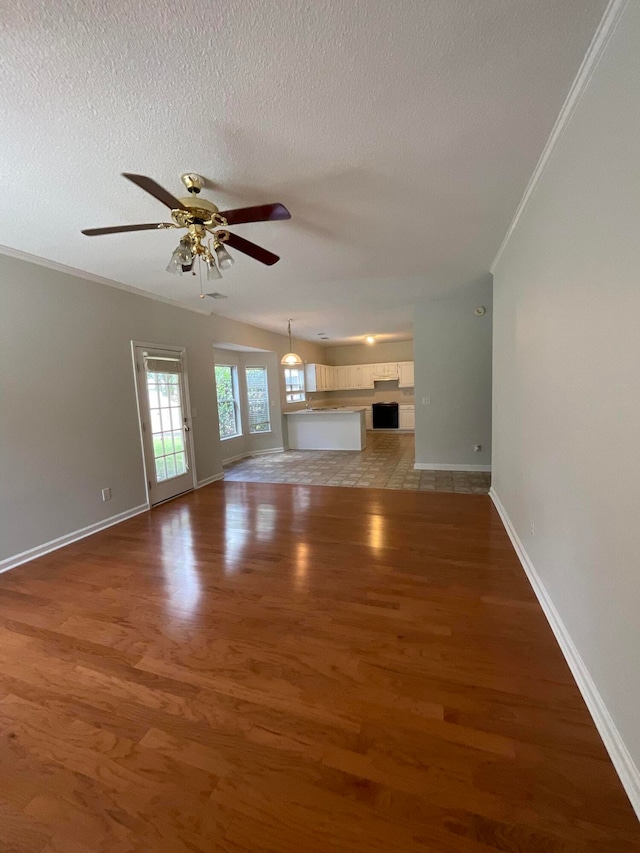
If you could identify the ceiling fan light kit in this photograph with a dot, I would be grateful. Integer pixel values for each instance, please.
(202, 218)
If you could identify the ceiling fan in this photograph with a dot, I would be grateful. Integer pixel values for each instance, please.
(201, 217)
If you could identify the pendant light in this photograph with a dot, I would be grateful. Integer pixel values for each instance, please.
(291, 358)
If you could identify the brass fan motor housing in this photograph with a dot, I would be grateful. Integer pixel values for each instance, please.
(199, 211)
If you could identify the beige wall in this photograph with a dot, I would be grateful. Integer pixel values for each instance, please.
(68, 416)
(369, 354)
(247, 443)
(453, 370)
(384, 392)
(567, 381)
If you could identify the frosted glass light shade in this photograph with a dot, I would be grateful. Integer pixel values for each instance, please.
(291, 358)
(213, 272)
(224, 258)
(175, 265)
(182, 256)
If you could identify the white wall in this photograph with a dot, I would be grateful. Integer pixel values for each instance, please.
(567, 378)
(452, 354)
(68, 417)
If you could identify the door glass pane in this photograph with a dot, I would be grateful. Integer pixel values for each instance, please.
(166, 425)
(165, 419)
(161, 473)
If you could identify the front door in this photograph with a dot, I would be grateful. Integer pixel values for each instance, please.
(165, 422)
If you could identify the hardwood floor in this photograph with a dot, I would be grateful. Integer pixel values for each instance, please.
(260, 667)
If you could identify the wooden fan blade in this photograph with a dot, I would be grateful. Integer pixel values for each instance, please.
(154, 189)
(249, 248)
(260, 213)
(117, 229)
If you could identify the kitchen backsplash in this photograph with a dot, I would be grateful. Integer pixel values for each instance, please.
(384, 392)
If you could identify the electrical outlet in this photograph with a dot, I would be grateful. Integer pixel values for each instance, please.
(106, 494)
(426, 401)
(532, 527)
(477, 448)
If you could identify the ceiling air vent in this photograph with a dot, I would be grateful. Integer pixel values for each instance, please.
(217, 295)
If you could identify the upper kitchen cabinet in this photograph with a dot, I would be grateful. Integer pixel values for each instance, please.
(361, 376)
(320, 377)
(350, 377)
(344, 377)
(405, 374)
(385, 370)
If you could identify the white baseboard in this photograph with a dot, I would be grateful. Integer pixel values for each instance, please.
(437, 466)
(622, 761)
(208, 480)
(249, 453)
(67, 539)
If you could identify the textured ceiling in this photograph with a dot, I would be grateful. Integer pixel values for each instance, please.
(401, 135)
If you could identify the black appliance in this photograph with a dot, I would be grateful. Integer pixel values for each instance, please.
(385, 415)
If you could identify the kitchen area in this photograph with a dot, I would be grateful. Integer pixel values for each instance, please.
(345, 401)
(353, 424)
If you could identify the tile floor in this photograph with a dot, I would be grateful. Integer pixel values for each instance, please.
(385, 463)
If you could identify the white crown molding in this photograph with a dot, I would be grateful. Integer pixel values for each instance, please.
(89, 276)
(605, 30)
(622, 761)
(68, 538)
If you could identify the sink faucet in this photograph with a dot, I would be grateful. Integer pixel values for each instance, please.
(309, 402)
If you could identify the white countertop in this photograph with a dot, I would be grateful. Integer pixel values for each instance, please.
(340, 410)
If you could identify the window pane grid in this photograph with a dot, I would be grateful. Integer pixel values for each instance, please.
(294, 384)
(227, 396)
(258, 399)
(166, 425)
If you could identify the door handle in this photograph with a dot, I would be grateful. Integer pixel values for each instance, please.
(187, 428)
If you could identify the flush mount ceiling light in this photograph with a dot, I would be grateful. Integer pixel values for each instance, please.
(291, 358)
(370, 339)
(201, 217)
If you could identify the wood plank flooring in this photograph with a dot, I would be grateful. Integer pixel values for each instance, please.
(259, 668)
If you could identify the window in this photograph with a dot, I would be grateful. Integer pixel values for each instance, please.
(228, 406)
(294, 384)
(258, 399)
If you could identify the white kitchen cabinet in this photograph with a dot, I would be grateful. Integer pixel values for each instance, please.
(407, 417)
(366, 376)
(368, 417)
(360, 376)
(318, 377)
(385, 370)
(325, 381)
(405, 374)
(344, 377)
(311, 376)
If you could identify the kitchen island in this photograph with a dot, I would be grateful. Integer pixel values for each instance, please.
(340, 428)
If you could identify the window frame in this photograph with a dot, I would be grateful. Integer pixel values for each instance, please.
(267, 401)
(290, 395)
(235, 399)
